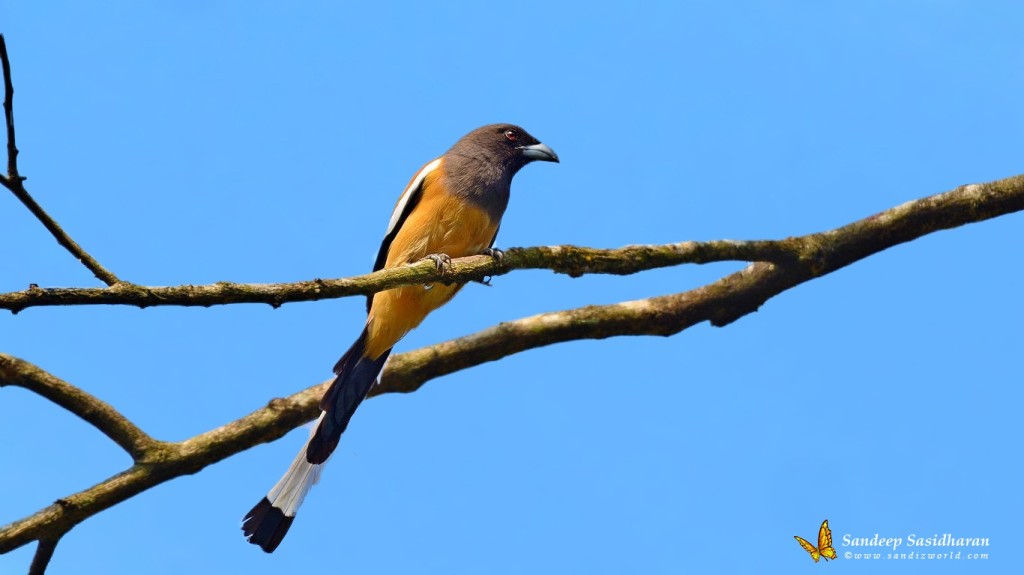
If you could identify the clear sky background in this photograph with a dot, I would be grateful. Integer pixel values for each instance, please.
(247, 141)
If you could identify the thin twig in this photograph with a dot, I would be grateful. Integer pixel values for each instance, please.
(12, 149)
(721, 303)
(99, 414)
(44, 552)
(15, 182)
(571, 260)
(102, 273)
(942, 211)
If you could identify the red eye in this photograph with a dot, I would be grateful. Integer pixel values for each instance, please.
(511, 135)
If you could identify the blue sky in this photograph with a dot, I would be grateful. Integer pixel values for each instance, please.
(256, 142)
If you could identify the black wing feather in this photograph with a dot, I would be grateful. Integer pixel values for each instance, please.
(385, 244)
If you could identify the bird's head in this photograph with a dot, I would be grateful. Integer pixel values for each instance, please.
(509, 145)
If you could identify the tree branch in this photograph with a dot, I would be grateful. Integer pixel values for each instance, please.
(96, 412)
(162, 462)
(571, 260)
(44, 552)
(721, 303)
(963, 205)
(104, 275)
(14, 182)
(12, 148)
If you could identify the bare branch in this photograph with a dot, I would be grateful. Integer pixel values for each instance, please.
(900, 224)
(44, 552)
(99, 414)
(14, 182)
(165, 461)
(12, 148)
(104, 275)
(571, 260)
(721, 303)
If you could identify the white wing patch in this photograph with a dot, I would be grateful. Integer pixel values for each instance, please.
(414, 185)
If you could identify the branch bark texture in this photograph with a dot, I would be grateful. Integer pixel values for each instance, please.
(775, 266)
(794, 260)
(816, 253)
(574, 261)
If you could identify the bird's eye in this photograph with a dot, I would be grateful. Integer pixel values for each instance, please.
(511, 135)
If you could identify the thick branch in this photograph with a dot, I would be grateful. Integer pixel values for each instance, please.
(963, 205)
(162, 462)
(721, 302)
(15, 182)
(571, 260)
(96, 412)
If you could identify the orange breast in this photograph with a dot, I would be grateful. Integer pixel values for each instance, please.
(440, 223)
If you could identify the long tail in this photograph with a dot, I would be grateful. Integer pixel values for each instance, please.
(267, 523)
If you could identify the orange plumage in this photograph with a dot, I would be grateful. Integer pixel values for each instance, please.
(439, 224)
(453, 207)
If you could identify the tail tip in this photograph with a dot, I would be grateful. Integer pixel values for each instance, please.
(266, 525)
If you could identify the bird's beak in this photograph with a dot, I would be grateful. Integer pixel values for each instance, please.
(539, 152)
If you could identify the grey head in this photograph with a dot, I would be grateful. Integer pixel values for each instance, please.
(481, 164)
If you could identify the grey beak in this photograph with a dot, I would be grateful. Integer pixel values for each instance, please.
(539, 152)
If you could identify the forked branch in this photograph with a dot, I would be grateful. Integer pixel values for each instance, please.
(776, 266)
(15, 182)
(720, 303)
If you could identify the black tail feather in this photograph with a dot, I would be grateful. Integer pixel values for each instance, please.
(266, 525)
(355, 377)
(345, 365)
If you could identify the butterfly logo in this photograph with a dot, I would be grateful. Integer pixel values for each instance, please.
(824, 548)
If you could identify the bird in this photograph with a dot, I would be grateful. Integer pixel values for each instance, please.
(451, 208)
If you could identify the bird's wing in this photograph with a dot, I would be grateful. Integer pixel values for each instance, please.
(410, 197)
(495, 236)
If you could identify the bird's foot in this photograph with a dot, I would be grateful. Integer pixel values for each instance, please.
(443, 262)
(498, 255)
(495, 253)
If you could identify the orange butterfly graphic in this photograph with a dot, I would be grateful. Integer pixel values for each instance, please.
(824, 548)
